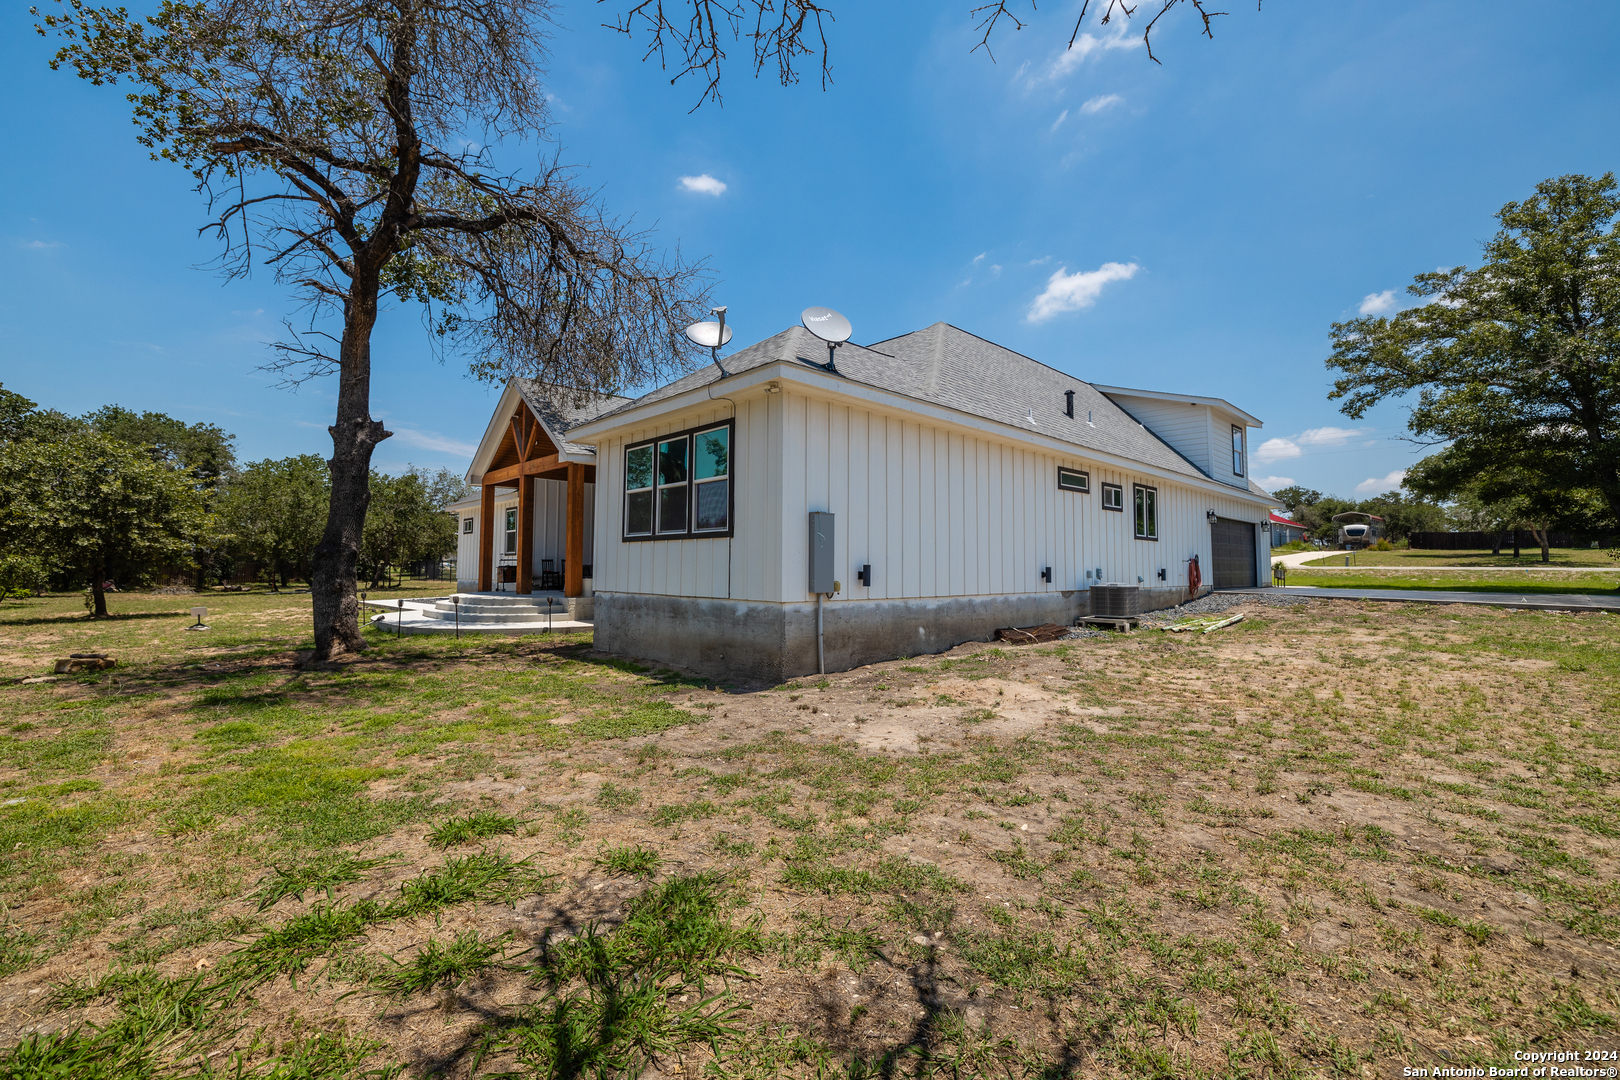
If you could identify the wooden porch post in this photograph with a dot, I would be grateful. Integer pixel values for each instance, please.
(486, 536)
(574, 557)
(525, 552)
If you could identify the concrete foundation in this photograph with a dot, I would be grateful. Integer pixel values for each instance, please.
(774, 642)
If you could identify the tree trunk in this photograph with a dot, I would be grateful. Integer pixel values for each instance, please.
(1497, 550)
(1542, 536)
(354, 436)
(1515, 541)
(98, 575)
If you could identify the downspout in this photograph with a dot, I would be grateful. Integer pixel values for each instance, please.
(821, 656)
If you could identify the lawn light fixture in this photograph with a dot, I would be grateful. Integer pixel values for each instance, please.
(1210, 516)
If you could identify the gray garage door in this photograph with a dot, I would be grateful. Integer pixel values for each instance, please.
(1234, 554)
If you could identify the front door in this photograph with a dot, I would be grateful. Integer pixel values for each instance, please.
(1234, 554)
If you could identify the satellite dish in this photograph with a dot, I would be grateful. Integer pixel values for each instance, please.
(710, 335)
(827, 325)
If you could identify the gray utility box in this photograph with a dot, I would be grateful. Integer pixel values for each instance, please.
(821, 552)
(1116, 601)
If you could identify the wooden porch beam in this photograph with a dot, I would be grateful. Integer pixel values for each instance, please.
(533, 467)
(486, 537)
(574, 557)
(525, 536)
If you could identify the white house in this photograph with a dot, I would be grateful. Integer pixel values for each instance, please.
(969, 488)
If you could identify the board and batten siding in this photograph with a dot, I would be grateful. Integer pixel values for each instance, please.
(1185, 426)
(935, 510)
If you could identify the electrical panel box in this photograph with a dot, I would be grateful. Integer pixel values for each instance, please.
(821, 552)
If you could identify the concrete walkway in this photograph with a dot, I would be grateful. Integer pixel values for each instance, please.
(1546, 602)
(479, 614)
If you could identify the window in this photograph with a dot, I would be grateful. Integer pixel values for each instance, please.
(511, 532)
(1147, 513)
(1074, 480)
(679, 486)
(1237, 450)
(467, 526)
(638, 491)
(1113, 497)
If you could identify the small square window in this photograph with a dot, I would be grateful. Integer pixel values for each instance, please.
(1074, 480)
(467, 526)
(1113, 497)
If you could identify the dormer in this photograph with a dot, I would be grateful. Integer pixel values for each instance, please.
(1212, 433)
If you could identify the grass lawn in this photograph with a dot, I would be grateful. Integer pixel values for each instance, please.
(1528, 583)
(1420, 559)
(1332, 840)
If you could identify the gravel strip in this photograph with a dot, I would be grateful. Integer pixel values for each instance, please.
(1212, 604)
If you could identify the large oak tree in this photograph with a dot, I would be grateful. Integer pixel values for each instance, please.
(1516, 362)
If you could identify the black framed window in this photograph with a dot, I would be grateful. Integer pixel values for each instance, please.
(679, 485)
(511, 532)
(1237, 450)
(467, 526)
(1147, 512)
(1074, 480)
(1113, 497)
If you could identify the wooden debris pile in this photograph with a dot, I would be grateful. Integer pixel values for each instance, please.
(1030, 635)
(85, 661)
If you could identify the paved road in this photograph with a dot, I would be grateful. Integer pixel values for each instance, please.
(1545, 602)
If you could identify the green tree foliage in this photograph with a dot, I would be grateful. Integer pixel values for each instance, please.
(14, 411)
(95, 507)
(1295, 496)
(274, 512)
(1516, 364)
(406, 524)
(204, 452)
(21, 575)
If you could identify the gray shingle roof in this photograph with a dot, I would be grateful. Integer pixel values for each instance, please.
(562, 419)
(947, 366)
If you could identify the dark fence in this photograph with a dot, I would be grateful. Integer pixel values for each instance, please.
(1479, 541)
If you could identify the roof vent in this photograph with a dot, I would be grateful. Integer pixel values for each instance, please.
(1068, 403)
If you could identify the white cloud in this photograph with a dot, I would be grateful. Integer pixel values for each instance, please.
(1087, 45)
(1098, 104)
(1375, 486)
(703, 185)
(432, 440)
(1071, 292)
(979, 258)
(41, 245)
(1272, 483)
(1062, 116)
(1378, 303)
(995, 268)
(1292, 446)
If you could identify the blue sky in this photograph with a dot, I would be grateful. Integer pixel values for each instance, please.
(1195, 226)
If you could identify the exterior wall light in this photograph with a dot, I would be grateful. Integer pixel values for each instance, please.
(1265, 526)
(773, 388)
(1210, 516)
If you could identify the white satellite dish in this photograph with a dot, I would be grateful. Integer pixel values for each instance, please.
(827, 325)
(711, 335)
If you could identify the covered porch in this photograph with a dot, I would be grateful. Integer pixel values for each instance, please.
(531, 529)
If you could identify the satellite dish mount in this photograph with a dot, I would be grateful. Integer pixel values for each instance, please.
(829, 326)
(711, 335)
